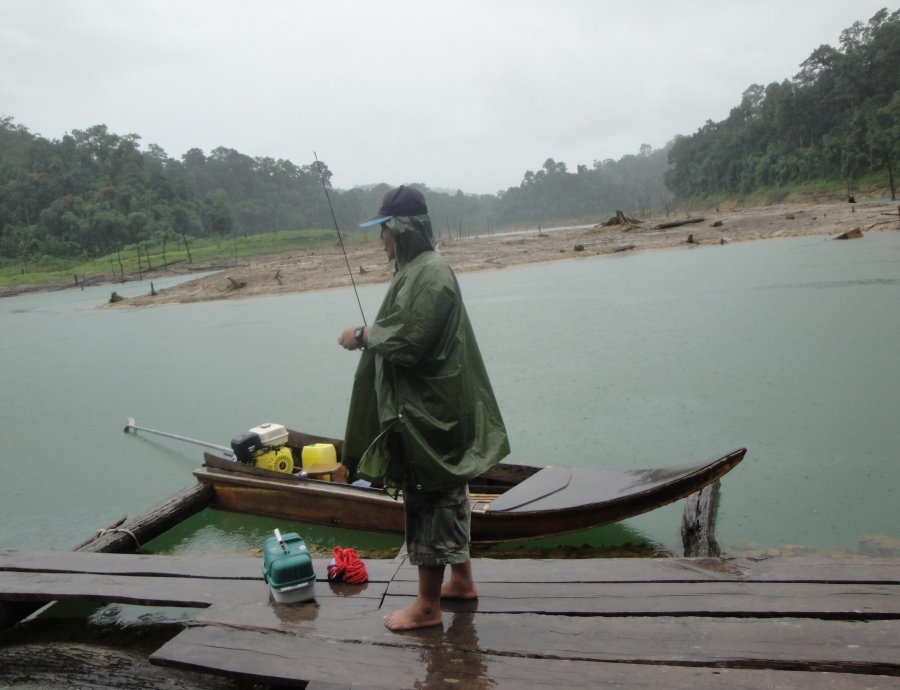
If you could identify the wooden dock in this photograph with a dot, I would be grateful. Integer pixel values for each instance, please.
(630, 623)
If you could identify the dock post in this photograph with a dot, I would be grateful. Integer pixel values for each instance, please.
(698, 523)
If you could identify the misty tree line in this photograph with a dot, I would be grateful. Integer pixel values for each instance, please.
(94, 192)
(838, 118)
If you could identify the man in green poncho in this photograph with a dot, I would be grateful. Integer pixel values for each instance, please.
(423, 417)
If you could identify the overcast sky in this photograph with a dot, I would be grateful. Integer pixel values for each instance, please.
(461, 95)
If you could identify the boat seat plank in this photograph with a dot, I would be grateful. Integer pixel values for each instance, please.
(854, 602)
(322, 469)
(482, 498)
(283, 659)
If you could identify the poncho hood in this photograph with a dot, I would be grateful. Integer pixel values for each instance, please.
(412, 236)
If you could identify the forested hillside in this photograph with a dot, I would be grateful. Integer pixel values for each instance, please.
(838, 118)
(94, 192)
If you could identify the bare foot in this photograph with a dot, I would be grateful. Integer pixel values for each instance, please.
(412, 617)
(454, 590)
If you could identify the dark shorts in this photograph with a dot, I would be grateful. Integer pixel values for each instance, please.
(437, 526)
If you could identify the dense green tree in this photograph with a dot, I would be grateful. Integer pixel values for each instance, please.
(833, 120)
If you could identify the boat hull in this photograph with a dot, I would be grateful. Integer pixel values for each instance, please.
(509, 502)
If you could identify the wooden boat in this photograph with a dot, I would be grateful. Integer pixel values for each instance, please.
(509, 501)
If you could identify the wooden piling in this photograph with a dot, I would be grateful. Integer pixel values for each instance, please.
(698, 523)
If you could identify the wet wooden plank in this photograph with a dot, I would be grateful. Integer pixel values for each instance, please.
(284, 659)
(173, 566)
(871, 570)
(161, 591)
(805, 644)
(140, 590)
(751, 599)
(800, 644)
(131, 564)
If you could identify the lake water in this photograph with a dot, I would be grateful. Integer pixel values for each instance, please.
(788, 347)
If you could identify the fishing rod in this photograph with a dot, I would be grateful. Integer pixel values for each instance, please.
(349, 270)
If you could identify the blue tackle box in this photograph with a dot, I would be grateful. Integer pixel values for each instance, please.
(288, 569)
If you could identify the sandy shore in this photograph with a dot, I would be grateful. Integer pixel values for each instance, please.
(327, 268)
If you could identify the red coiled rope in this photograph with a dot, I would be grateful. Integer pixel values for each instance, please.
(345, 565)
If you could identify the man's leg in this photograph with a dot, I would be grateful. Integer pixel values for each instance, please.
(461, 584)
(426, 609)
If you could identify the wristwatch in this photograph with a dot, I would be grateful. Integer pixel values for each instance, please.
(358, 334)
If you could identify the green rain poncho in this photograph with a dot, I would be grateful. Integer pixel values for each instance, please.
(422, 377)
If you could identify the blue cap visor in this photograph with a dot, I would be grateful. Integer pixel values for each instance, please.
(374, 221)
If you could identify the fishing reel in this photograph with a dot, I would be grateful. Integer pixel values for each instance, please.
(264, 446)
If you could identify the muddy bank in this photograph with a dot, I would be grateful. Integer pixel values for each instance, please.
(327, 268)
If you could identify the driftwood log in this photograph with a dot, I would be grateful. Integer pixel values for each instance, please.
(698, 523)
(678, 223)
(152, 522)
